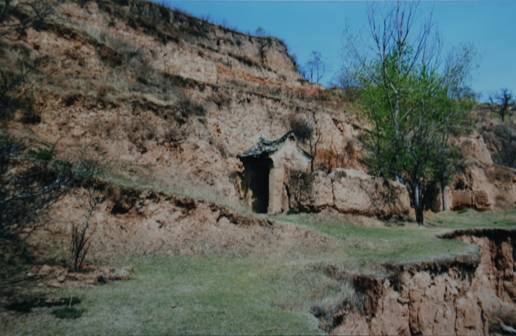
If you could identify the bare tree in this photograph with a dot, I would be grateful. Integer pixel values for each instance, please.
(315, 68)
(260, 32)
(502, 103)
(82, 232)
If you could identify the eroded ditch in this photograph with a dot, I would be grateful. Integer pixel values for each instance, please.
(474, 294)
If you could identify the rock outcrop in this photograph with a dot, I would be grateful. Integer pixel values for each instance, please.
(482, 184)
(484, 187)
(347, 191)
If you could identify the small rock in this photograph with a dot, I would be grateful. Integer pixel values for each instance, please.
(45, 270)
(54, 284)
(122, 274)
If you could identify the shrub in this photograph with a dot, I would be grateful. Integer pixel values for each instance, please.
(351, 94)
(30, 115)
(26, 193)
(34, 14)
(173, 136)
(11, 77)
(42, 155)
(85, 170)
(186, 109)
(67, 313)
(145, 73)
(301, 128)
(507, 138)
(221, 99)
(8, 148)
(149, 13)
(41, 11)
(15, 89)
(82, 3)
(111, 49)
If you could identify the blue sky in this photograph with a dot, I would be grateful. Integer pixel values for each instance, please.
(490, 26)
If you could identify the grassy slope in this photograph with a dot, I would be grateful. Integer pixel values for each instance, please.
(398, 243)
(272, 295)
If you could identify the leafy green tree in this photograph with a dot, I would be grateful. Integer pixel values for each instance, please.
(414, 102)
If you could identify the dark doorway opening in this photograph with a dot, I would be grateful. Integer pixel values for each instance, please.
(256, 180)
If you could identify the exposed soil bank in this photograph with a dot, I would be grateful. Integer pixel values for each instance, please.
(467, 296)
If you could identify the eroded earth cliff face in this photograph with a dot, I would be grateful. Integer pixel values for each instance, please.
(483, 184)
(347, 191)
(171, 100)
(173, 97)
(139, 222)
(472, 295)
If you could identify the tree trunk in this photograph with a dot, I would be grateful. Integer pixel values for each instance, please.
(418, 204)
(445, 206)
(419, 215)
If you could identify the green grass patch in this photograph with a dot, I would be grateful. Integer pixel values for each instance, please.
(271, 294)
(198, 295)
(469, 218)
(367, 248)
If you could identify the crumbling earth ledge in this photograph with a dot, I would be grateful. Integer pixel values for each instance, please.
(466, 296)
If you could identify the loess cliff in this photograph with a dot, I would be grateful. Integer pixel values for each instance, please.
(167, 99)
(174, 98)
(166, 103)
